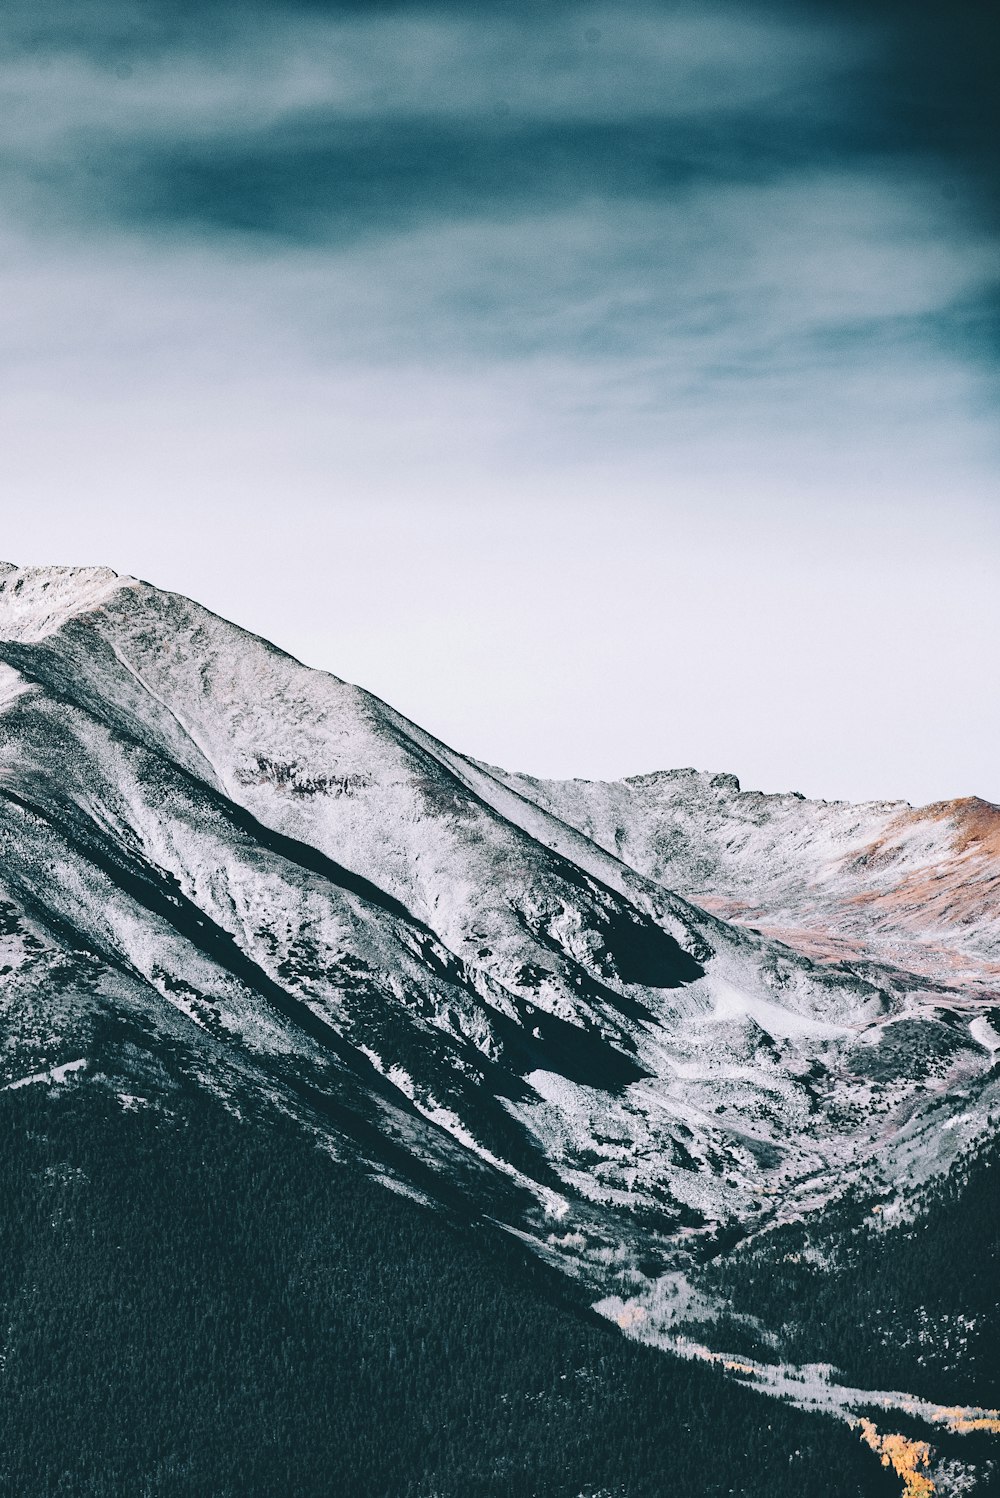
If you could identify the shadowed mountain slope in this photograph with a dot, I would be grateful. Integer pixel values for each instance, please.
(514, 998)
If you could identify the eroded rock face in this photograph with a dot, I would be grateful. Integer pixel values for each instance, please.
(915, 887)
(474, 981)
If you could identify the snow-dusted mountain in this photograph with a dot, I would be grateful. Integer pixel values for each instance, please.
(626, 1020)
(919, 888)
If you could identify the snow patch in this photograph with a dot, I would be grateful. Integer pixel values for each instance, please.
(984, 1034)
(12, 685)
(55, 1074)
(731, 1003)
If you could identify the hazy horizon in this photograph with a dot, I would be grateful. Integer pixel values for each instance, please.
(608, 388)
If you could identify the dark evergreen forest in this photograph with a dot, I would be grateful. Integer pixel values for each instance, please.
(912, 1304)
(194, 1304)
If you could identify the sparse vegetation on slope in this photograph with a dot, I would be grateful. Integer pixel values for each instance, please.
(908, 1304)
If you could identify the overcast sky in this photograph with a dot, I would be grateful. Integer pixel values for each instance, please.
(609, 387)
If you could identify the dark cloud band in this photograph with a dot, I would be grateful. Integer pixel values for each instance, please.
(696, 160)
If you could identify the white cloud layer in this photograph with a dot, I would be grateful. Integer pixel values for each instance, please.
(679, 449)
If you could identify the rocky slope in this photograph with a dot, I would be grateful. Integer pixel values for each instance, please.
(625, 1020)
(917, 887)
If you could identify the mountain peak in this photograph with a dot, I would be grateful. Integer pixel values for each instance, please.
(37, 601)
